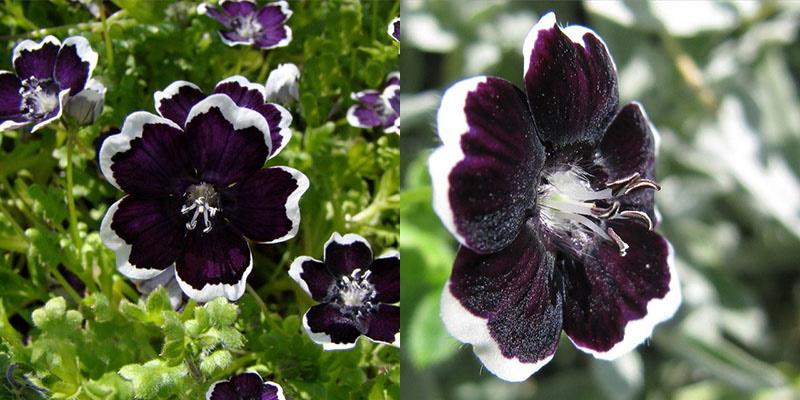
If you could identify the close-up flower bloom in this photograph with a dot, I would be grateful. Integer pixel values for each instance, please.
(196, 189)
(394, 29)
(355, 292)
(86, 106)
(247, 24)
(378, 108)
(245, 386)
(282, 84)
(47, 74)
(550, 192)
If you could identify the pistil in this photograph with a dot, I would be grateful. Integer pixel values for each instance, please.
(355, 290)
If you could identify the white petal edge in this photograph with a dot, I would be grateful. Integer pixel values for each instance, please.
(390, 29)
(325, 340)
(393, 75)
(283, 129)
(245, 83)
(84, 50)
(239, 117)
(232, 43)
(469, 328)
(121, 142)
(658, 311)
(451, 123)
(169, 92)
(30, 45)
(10, 125)
(281, 396)
(296, 270)
(345, 240)
(211, 291)
(353, 120)
(122, 248)
(574, 32)
(282, 79)
(292, 203)
(62, 100)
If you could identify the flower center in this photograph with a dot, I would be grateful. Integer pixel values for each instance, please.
(567, 201)
(246, 27)
(39, 97)
(355, 290)
(201, 200)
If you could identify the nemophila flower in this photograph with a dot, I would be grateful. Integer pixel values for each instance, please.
(86, 106)
(47, 74)
(394, 29)
(247, 24)
(246, 386)
(378, 108)
(196, 190)
(550, 192)
(282, 84)
(355, 293)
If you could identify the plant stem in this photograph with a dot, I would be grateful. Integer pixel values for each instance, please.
(250, 289)
(73, 214)
(106, 36)
(67, 287)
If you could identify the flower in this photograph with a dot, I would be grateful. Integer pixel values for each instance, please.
(551, 193)
(355, 293)
(394, 29)
(281, 84)
(246, 24)
(196, 188)
(248, 385)
(47, 73)
(86, 106)
(378, 108)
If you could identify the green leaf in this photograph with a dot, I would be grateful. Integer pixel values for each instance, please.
(154, 377)
(428, 341)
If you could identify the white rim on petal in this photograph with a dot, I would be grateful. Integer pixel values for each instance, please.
(121, 142)
(390, 28)
(296, 272)
(169, 92)
(211, 291)
(30, 45)
(658, 311)
(324, 339)
(279, 389)
(468, 328)
(239, 117)
(451, 124)
(245, 83)
(283, 129)
(249, 41)
(122, 248)
(84, 51)
(293, 203)
(283, 42)
(345, 240)
(62, 99)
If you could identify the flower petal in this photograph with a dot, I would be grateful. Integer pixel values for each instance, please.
(394, 29)
(146, 235)
(265, 207)
(217, 13)
(147, 158)
(214, 264)
(279, 120)
(363, 117)
(226, 143)
(243, 92)
(272, 391)
(233, 38)
(222, 390)
(238, 8)
(613, 302)
(274, 32)
(384, 324)
(484, 174)
(385, 277)
(508, 305)
(10, 102)
(343, 254)
(328, 325)
(54, 114)
(165, 279)
(74, 64)
(249, 385)
(36, 59)
(571, 82)
(175, 101)
(313, 276)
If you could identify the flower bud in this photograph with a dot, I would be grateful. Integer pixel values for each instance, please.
(282, 84)
(86, 106)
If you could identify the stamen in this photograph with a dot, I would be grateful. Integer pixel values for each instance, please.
(623, 247)
(641, 183)
(634, 214)
(607, 212)
(203, 200)
(355, 290)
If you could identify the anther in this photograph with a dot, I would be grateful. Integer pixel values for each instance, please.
(606, 212)
(623, 247)
(641, 216)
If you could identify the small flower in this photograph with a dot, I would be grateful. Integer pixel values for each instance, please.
(551, 193)
(246, 24)
(47, 74)
(196, 188)
(281, 84)
(378, 108)
(394, 29)
(246, 386)
(355, 293)
(86, 106)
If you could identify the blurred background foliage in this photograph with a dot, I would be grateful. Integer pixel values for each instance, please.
(105, 331)
(720, 82)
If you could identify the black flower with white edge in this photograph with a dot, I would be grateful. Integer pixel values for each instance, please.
(245, 386)
(282, 84)
(195, 191)
(550, 191)
(378, 108)
(247, 24)
(394, 29)
(355, 292)
(47, 74)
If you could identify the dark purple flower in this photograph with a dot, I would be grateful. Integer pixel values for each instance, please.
(246, 386)
(247, 24)
(355, 293)
(550, 192)
(196, 190)
(378, 108)
(47, 74)
(394, 29)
